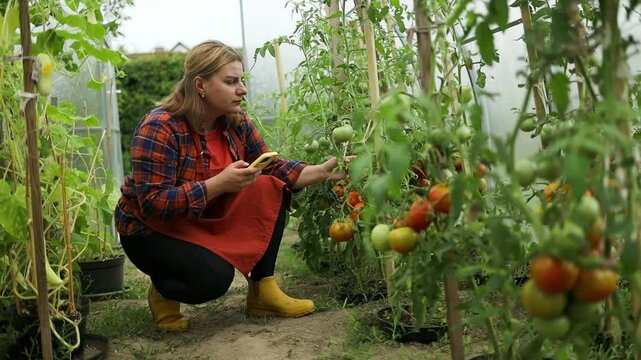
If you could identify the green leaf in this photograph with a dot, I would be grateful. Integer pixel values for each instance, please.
(95, 84)
(631, 256)
(335, 15)
(8, 26)
(376, 188)
(560, 28)
(560, 86)
(499, 10)
(481, 78)
(485, 41)
(358, 167)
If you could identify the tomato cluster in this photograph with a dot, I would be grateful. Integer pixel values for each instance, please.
(560, 293)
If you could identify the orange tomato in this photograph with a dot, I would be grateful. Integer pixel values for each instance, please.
(553, 190)
(403, 240)
(355, 214)
(594, 233)
(439, 196)
(481, 170)
(483, 185)
(458, 164)
(553, 275)
(341, 231)
(595, 285)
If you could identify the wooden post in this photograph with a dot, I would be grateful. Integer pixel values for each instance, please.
(281, 77)
(539, 86)
(33, 174)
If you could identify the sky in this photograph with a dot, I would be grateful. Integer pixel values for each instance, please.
(154, 23)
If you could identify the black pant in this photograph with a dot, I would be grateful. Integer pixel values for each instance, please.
(189, 273)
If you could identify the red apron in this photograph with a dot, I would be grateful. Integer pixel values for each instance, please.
(235, 226)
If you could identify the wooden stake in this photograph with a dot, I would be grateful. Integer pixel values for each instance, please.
(539, 86)
(281, 78)
(387, 260)
(426, 63)
(33, 172)
(337, 60)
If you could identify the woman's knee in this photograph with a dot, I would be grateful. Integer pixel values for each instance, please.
(211, 287)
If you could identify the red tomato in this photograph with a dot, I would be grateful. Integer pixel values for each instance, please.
(341, 231)
(439, 196)
(338, 190)
(419, 170)
(354, 198)
(553, 275)
(355, 214)
(419, 216)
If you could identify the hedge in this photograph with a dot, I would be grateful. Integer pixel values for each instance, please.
(148, 78)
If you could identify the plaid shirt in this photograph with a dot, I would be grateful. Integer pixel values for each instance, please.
(164, 183)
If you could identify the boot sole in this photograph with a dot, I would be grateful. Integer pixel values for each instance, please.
(266, 312)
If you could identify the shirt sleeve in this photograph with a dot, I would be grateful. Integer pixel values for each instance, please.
(154, 158)
(286, 170)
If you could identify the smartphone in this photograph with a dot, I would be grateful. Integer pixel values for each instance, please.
(264, 159)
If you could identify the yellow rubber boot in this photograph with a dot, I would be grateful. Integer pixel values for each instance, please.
(265, 298)
(166, 313)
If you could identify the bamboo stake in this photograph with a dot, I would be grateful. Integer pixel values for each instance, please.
(387, 260)
(454, 324)
(539, 85)
(33, 172)
(426, 64)
(281, 78)
(337, 60)
(615, 79)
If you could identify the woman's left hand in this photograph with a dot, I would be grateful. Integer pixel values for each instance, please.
(329, 168)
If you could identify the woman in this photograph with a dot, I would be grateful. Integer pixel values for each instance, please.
(193, 210)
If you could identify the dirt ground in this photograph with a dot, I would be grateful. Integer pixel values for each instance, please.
(221, 330)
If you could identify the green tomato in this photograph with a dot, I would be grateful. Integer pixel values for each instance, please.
(464, 133)
(342, 134)
(528, 125)
(547, 134)
(588, 209)
(380, 237)
(439, 137)
(539, 304)
(311, 147)
(549, 169)
(323, 142)
(579, 311)
(466, 94)
(525, 170)
(555, 329)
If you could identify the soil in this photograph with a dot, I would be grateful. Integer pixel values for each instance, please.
(221, 330)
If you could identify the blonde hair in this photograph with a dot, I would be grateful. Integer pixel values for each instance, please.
(204, 60)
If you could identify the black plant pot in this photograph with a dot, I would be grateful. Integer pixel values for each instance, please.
(26, 327)
(406, 332)
(103, 277)
(96, 347)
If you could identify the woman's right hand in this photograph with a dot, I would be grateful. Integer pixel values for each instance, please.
(233, 178)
